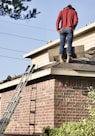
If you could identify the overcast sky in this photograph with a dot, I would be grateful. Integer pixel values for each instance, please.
(19, 37)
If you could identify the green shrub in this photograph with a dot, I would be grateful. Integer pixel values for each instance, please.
(85, 127)
(47, 131)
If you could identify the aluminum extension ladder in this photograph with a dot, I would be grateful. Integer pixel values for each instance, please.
(15, 99)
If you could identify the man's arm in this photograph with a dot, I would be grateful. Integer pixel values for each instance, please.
(75, 19)
(58, 21)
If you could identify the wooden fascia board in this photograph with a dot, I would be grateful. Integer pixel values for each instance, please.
(50, 71)
(33, 76)
(71, 72)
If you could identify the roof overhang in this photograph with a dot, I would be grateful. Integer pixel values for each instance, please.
(61, 71)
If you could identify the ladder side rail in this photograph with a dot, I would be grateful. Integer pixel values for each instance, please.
(21, 81)
(15, 96)
(23, 77)
(32, 68)
(13, 108)
(15, 99)
(23, 85)
(10, 105)
(4, 124)
(27, 77)
(19, 88)
(7, 116)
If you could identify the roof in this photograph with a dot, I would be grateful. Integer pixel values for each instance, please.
(77, 68)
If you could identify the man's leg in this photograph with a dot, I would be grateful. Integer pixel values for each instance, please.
(69, 42)
(62, 44)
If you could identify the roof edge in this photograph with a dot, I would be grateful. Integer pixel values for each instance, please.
(46, 46)
(50, 71)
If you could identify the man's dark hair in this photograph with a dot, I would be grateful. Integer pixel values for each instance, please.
(69, 6)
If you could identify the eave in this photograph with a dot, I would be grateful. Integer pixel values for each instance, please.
(56, 69)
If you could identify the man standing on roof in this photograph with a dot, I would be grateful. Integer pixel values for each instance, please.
(66, 23)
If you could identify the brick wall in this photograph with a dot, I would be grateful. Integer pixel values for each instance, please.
(48, 102)
(44, 105)
(19, 123)
(31, 116)
(71, 99)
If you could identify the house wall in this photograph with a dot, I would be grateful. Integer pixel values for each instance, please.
(58, 99)
(31, 116)
(44, 105)
(80, 44)
(50, 52)
(45, 57)
(71, 99)
(19, 123)
(40, 60)
(87, 39)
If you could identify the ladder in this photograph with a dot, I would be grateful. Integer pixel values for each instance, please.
(15, 99)
(32, 117)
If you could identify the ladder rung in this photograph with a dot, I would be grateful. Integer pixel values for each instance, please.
(12, 101)
(1, 134)
(1, 122)
(32, 112)
(32, 124)
(34, 88)
(33, 99)
(6, 111)
(4, 121)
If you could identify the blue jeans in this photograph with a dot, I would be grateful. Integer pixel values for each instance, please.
(66, 35)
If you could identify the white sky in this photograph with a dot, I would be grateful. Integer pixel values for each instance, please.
(16, 36)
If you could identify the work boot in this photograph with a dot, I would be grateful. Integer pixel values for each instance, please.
(68, 58)
(61, 58)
